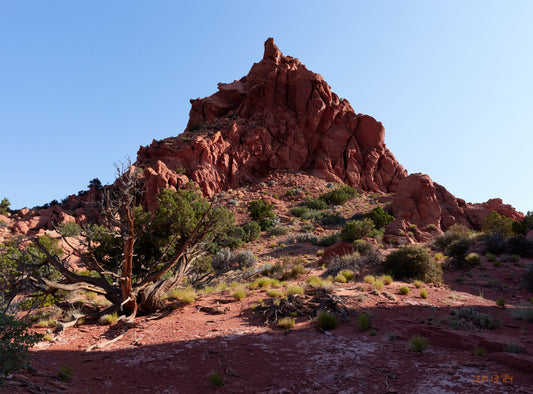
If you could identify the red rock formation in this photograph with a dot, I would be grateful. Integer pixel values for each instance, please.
(422, 202)
(281, 116)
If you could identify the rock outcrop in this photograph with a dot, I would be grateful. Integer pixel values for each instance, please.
(281, 116)
(423, 202)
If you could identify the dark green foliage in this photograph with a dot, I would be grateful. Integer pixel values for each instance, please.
(495, 243)
(262, 212)
(4, 206)
(413, 262)
(468, 318)
(457, 252)
(69, 229)
(364, 321)
(379, 217)
(216, 380)
(278, 230)
(328, 240)
(496, 223)
(340, 195)
(526, 225)
(293, 191)
(327, 320)
(363, 247)
(95, 183)
(520, 246)
(173, 221)
(332, 219)
(456, 232)
(15, 341)
(252, 231)
(356, 230)
(315, 203)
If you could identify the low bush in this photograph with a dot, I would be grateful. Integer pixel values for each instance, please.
(239, 294)
(216, 380)
(278, 230)
(414, 262)
(479, 351)
(286, 322)
(328, 240)
(307, 238)
(379, 217)
(418, 284)
(364, 321)
(327, 320)
(363, 247)
(456, 232)
(340, 195)
(457, 252)
(348, 274)
(470, 319)
(332, 219)
(418, 344)
(69, 229)
(262, 212)
(186, 295)
(111, 318)
(424, 293)
(357, 230)
(496, 223)
(251, 231)
(15, 342)
(386, 279)
(404, 290)
(369, 279)
(500, 301)
(378, 285)
(295, 290)
(315, 203)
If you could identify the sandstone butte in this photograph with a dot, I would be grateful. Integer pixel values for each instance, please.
(283, 117)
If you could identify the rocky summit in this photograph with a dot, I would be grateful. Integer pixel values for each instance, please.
(280, 116)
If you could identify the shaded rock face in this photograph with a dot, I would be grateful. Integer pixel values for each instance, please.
(281, 116)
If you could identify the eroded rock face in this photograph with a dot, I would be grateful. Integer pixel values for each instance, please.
(281, 116)
(422, 202)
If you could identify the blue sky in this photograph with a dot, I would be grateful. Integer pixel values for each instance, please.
(84, 84)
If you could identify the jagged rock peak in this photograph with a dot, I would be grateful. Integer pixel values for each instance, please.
(281, 116)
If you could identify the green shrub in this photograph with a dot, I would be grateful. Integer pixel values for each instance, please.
(15, 342)
(239, 294)
(186, 295)
(500, 301)
(469, 318)
(306, 238)
(418, 344)
(473, 259)
(4, 206)
(369, 279)
(496, 223)
(251, 231)
(413, 261)
(327, 320)
(386, 279)
(295, 290)
(356, 230)
(456, 232)
(216, 380)
(378, 285)
(332, 219)
(362, 247)
(525, 225)
(379, 217)
(348, 274)
(275, 293)
(245, 259)
(404, 290)
(286, 322)
(328, 240)
(64, 373)
(364, 321)
(69, 229)
(278, 230)
(299, 211)
(316, 204)
(340, 278)
(111, 318)
(293, 191)
(424, 293)
(418, 284)
(457, 252)
(262, 212)
(340, 195)
(490, 257)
